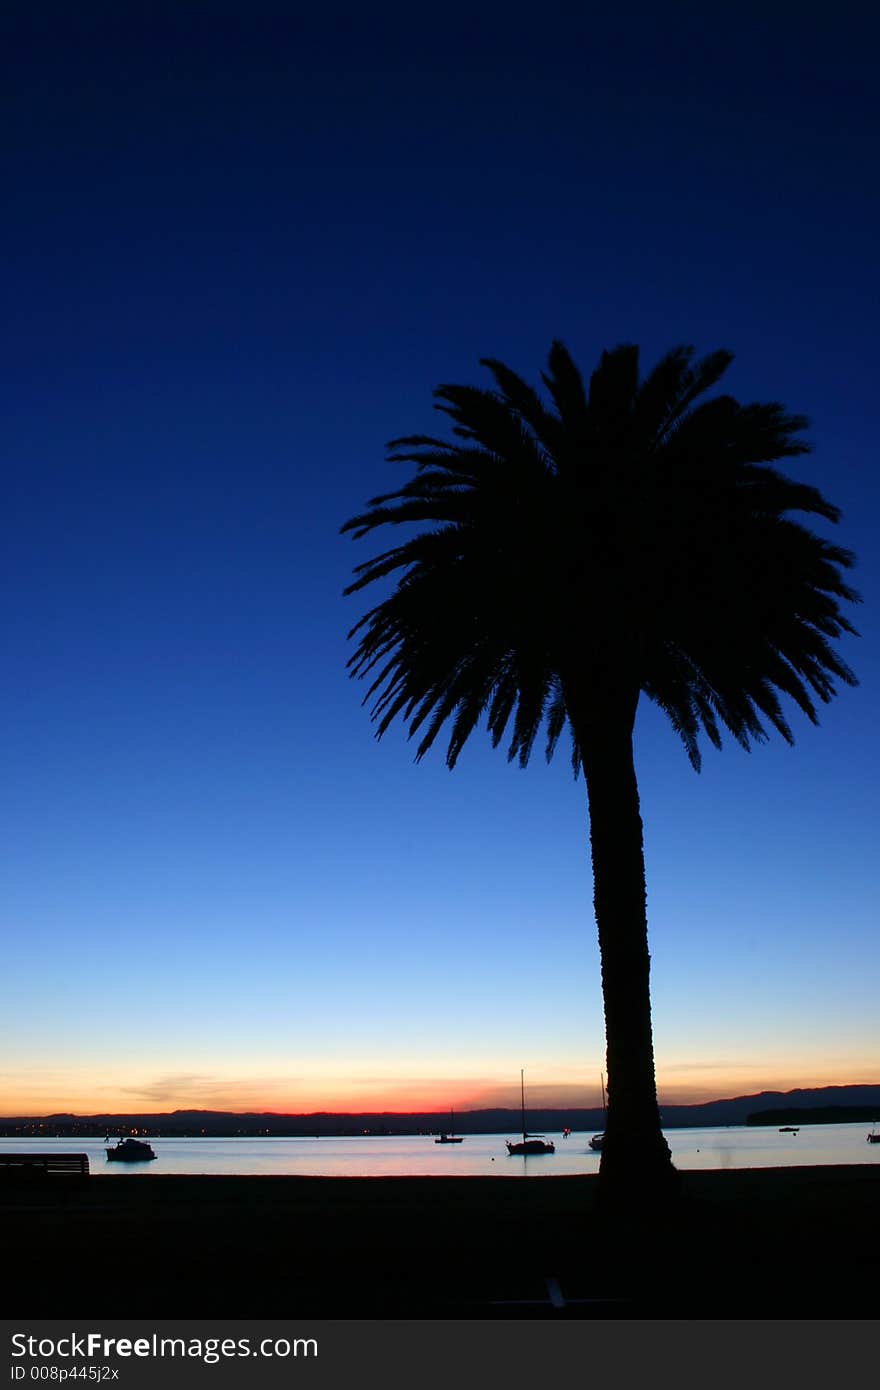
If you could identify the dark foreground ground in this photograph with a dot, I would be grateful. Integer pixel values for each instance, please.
(793, 1242)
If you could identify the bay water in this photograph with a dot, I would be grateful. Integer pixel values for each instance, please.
(480, 1155)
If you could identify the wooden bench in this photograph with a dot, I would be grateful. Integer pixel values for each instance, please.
(23, 1167)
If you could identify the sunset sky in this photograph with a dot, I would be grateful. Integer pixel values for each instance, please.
(242, 247)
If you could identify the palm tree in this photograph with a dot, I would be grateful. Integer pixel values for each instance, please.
(571, 555)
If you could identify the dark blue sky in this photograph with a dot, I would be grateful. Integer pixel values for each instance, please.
(242, 245)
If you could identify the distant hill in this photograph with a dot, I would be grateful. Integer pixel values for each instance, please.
(746, 1109)
(819, 1115)
(811, 1106)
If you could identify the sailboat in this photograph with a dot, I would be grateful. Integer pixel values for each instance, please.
(599, 1139)
(531, 1143)
(451, 1137)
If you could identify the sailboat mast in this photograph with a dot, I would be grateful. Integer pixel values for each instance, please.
(522, 1096)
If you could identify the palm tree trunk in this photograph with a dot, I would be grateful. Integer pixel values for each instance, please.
(636, 1165)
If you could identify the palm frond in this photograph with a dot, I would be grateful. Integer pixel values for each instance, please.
(613, 388)
(692, 383)
(682, 571)
(566, 387)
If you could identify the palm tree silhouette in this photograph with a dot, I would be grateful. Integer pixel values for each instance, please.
(572, 554)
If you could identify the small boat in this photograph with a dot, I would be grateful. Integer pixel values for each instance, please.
(531, 1143)
(451, 1137)
(599, 1139)
(131, 1151)
(790, 1129)
(874, 1137)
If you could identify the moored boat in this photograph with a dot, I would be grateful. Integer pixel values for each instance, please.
(530, 1143)
(451, 1137)
(131, 1151)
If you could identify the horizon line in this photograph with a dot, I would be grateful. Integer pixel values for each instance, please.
(316, 1114)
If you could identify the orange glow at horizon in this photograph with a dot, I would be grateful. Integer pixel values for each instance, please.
(80, 1093)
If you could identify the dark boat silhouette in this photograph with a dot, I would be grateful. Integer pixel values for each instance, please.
(531, 1143)
(451, 1137)
(131, 1151)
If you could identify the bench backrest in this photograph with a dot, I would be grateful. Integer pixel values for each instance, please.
(12, 1163)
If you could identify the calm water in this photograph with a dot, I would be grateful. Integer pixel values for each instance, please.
(479, 1155)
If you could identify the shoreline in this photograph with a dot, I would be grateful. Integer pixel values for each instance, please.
(757, 1242)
